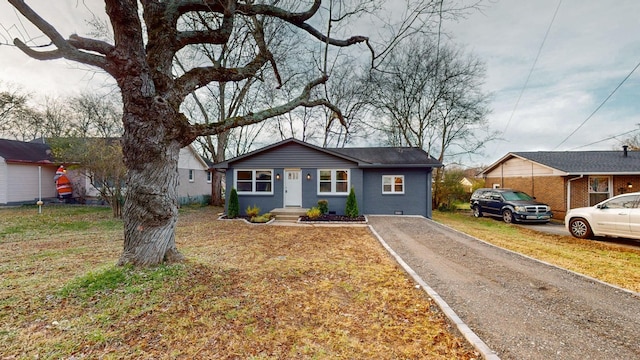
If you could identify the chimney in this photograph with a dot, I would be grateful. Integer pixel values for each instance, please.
(624, 149)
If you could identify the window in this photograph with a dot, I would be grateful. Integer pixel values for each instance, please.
(393, 184)
(333, 181)
(191, 176)
(208, 177)
(598, 189)
(622, 202)
(254, 181)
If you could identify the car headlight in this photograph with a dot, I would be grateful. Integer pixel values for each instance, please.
(520, 209)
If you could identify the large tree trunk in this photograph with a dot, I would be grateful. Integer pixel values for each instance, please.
(150, 211)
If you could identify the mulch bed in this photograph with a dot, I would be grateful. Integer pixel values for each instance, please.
(335, 218)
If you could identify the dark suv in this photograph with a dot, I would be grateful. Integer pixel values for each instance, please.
(511, 205)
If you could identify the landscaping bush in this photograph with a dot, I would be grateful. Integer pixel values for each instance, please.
(314, 213)
(351, 209)
(234, 205)
(252, 211)
(262, 218)
(323, 205)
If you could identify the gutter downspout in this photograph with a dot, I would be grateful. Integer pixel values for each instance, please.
(569, 190)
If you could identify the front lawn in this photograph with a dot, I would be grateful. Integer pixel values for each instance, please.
(246, 292)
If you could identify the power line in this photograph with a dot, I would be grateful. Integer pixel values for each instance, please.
(599, 106)
(526, 82)
(603, 140)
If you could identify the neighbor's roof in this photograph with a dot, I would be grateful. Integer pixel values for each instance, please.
(581, 162)
(25, 152)
(364, 157)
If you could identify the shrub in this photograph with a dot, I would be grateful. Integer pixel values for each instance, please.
(252, 211)
(234, 205)
(262, 218)
(323, 205)
(351, 209)
(314, 213)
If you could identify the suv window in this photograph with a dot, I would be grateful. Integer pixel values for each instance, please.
(623, 202)
(516, 195)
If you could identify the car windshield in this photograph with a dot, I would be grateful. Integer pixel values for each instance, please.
(516, 195)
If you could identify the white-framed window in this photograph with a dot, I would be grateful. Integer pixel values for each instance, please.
(333, 181)
(208, 177)
(599, 189)
(254, 181)
(192, 176)
(393, 184)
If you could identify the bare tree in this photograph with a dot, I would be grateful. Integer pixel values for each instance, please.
(12, 101)
(141, 60)
(96, 115)
(50, 119)
(430, 96)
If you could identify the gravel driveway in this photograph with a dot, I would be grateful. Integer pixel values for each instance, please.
(521, 308)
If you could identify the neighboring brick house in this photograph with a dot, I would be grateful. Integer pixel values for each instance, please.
(567, 179)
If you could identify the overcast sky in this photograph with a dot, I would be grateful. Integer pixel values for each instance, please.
(591, 46)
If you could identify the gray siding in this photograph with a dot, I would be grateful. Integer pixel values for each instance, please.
(337, 203)
(416, 199)
(366, 182)
(292, 155)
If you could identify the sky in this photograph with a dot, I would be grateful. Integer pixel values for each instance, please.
(547, 71)
(591, 46)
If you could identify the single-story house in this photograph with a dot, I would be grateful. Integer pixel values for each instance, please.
(567, 179)
(295, 174)
(27, 170)
(195, 177)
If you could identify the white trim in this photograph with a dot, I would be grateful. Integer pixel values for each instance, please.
(334, 181)
(254, 182)
(393, 185)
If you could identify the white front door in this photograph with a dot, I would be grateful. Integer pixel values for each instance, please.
(292, 188)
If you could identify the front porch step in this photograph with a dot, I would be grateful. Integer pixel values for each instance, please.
(289, 214)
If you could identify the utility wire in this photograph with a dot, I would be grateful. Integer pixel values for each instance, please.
(599, 106)
(603, 140)
(526, 82)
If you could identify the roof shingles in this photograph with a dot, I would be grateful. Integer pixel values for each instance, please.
(24, 152)
(586, 162)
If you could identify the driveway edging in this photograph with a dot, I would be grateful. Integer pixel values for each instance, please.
(464, 329)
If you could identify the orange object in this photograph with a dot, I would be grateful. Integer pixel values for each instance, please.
(63, 184)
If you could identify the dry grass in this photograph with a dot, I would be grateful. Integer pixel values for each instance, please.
(605, 261)
(247, 292)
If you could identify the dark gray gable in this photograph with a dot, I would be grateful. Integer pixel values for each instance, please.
(289, 153)
(25, 152)
(586, 162)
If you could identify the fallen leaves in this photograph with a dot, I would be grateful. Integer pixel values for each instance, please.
(246, 292)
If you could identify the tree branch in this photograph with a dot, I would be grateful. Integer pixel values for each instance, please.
(64, 48)
(253, 118)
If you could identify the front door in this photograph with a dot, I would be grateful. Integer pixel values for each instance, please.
(292, 188)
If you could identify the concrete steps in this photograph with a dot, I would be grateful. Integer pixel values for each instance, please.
(289, 214)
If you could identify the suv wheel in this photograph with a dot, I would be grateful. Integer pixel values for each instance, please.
(476, 211)
(507, 216)
(580, 228)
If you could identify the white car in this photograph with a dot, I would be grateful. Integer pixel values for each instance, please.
(618, 216)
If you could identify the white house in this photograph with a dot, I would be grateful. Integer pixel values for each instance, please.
(27, 170)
